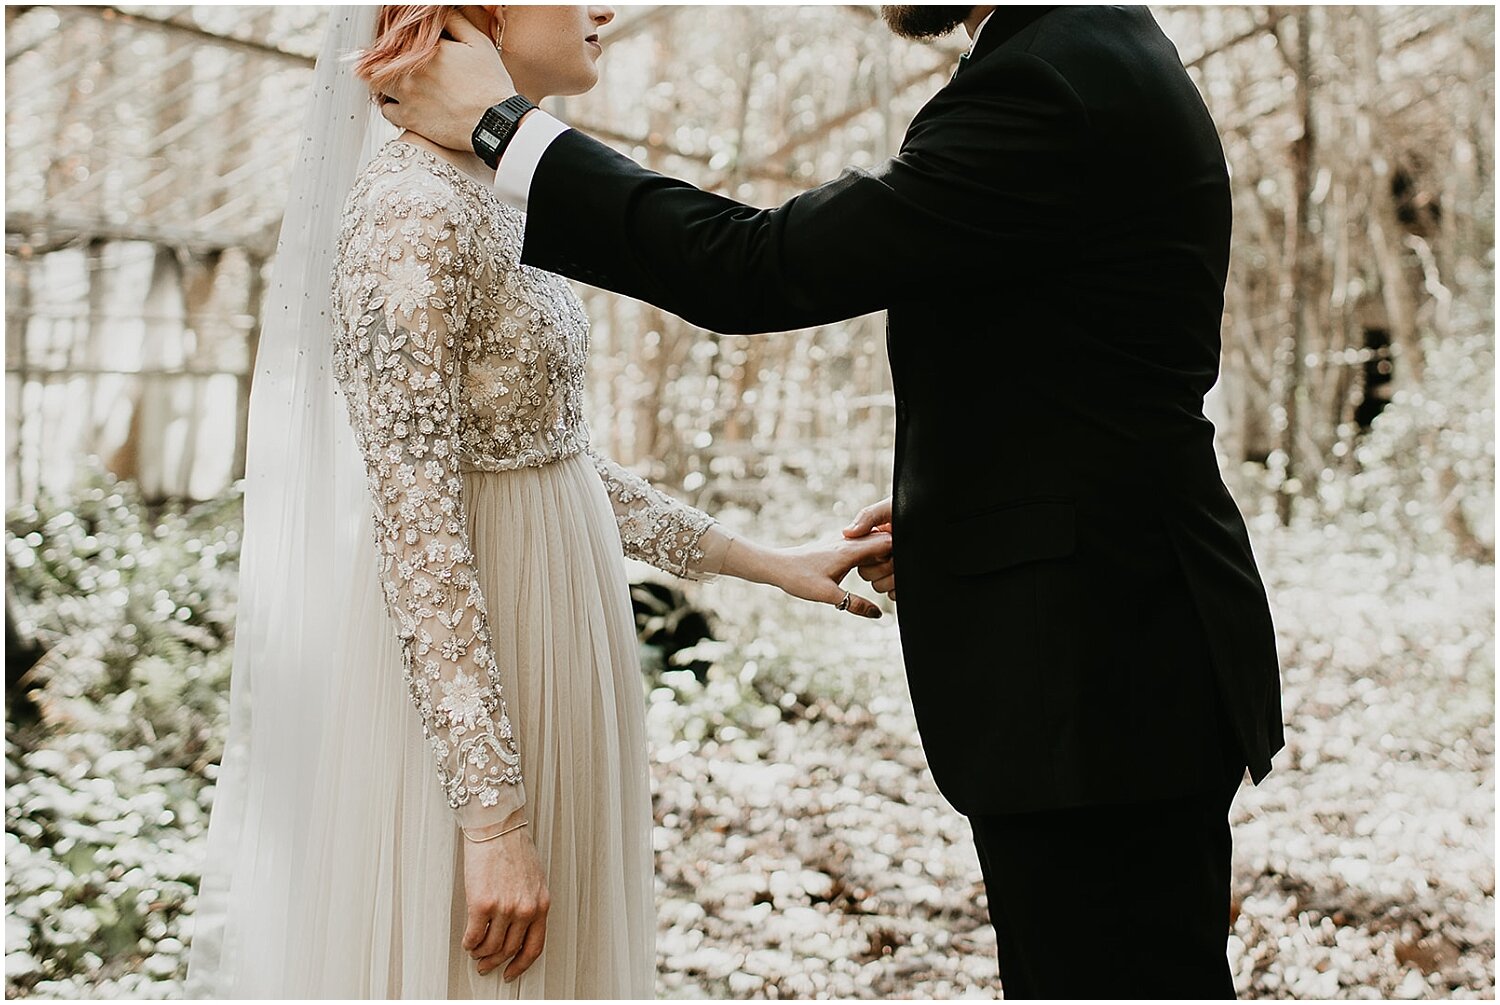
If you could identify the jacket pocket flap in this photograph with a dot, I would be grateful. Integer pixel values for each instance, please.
(999, 537)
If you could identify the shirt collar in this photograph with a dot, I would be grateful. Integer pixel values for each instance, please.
(978, 31)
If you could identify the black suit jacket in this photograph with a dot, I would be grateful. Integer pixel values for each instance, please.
(1051, 245)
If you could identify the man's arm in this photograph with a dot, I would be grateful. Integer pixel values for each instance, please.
(985, 188)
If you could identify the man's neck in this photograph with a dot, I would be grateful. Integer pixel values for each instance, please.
(976, 18)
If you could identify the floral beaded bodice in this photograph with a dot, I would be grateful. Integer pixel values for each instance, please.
(454, 358)
(524, 343)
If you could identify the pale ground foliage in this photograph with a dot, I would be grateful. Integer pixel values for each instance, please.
(818, 859)
(803, 849)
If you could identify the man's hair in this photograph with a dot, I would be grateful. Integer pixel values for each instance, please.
(920, 21)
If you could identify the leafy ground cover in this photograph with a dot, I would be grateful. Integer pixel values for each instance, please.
(802, 848)
(813, 856)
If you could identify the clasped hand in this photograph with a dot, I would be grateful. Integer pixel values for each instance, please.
(880, 571)
(816, 571)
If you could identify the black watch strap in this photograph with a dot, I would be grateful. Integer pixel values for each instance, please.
(497, 126)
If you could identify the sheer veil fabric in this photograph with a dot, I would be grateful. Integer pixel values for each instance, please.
(296, 835)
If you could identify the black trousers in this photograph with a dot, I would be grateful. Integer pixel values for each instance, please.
(1123, 901)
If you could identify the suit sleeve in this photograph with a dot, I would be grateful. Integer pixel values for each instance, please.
(987, 180)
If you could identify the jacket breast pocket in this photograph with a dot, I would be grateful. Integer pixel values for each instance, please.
(1009, 534)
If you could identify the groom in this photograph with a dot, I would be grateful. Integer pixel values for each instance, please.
(1086, 636)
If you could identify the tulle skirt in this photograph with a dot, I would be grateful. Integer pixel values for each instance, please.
(375, 903)
(551, 566)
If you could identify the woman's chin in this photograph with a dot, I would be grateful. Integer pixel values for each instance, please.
(582, 84)
(578, 80)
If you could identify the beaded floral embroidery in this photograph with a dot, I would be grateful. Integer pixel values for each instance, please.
(454, 357)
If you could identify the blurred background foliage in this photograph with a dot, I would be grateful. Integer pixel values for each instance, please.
(1360, 139)
(1356, 429)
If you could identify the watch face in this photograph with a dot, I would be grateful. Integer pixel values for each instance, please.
(495, 129)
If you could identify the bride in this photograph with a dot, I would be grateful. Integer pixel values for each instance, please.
(437, 762)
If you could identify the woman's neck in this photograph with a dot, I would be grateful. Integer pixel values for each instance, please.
(465, 160)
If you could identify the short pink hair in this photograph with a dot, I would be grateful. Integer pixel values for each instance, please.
(406, 39)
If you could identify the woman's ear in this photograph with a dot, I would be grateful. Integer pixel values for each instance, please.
(488, 18)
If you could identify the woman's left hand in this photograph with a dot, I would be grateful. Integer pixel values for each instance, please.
(814, 571)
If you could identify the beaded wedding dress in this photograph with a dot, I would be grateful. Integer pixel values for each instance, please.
(433, 627)
(501, 535)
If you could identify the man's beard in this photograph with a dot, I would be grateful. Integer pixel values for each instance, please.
(920, 21)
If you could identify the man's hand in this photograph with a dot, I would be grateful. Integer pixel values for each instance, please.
(445, 99)
(876, 518)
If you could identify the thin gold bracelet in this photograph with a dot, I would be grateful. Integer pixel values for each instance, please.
(512, 827)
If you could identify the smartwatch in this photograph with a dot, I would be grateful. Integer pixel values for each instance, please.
(497, 126)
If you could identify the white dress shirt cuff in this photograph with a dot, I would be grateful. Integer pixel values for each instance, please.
(524, 152)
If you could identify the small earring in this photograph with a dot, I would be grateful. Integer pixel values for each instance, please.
(498, 38)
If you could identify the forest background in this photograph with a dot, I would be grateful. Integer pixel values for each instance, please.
(802, 848)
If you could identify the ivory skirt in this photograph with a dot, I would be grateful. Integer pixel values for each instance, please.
(380, 910)
(552, 569)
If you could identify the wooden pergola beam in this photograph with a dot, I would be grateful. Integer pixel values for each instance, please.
(115, 15)
(634, 25)
(43, 232)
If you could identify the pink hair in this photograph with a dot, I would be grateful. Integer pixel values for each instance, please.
(406, 39)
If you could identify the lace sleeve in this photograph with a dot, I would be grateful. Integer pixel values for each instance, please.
(405, 299)
(660, 530)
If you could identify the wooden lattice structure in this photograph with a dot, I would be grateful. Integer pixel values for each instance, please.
(139, 228)
(138, 231)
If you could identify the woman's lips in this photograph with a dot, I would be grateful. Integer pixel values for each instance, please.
(594, 41)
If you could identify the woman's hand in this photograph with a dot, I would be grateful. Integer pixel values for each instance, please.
(810, 571)
(814, 571)
(507, 900)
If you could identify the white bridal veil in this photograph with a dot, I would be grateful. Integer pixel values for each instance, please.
(311, 629)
